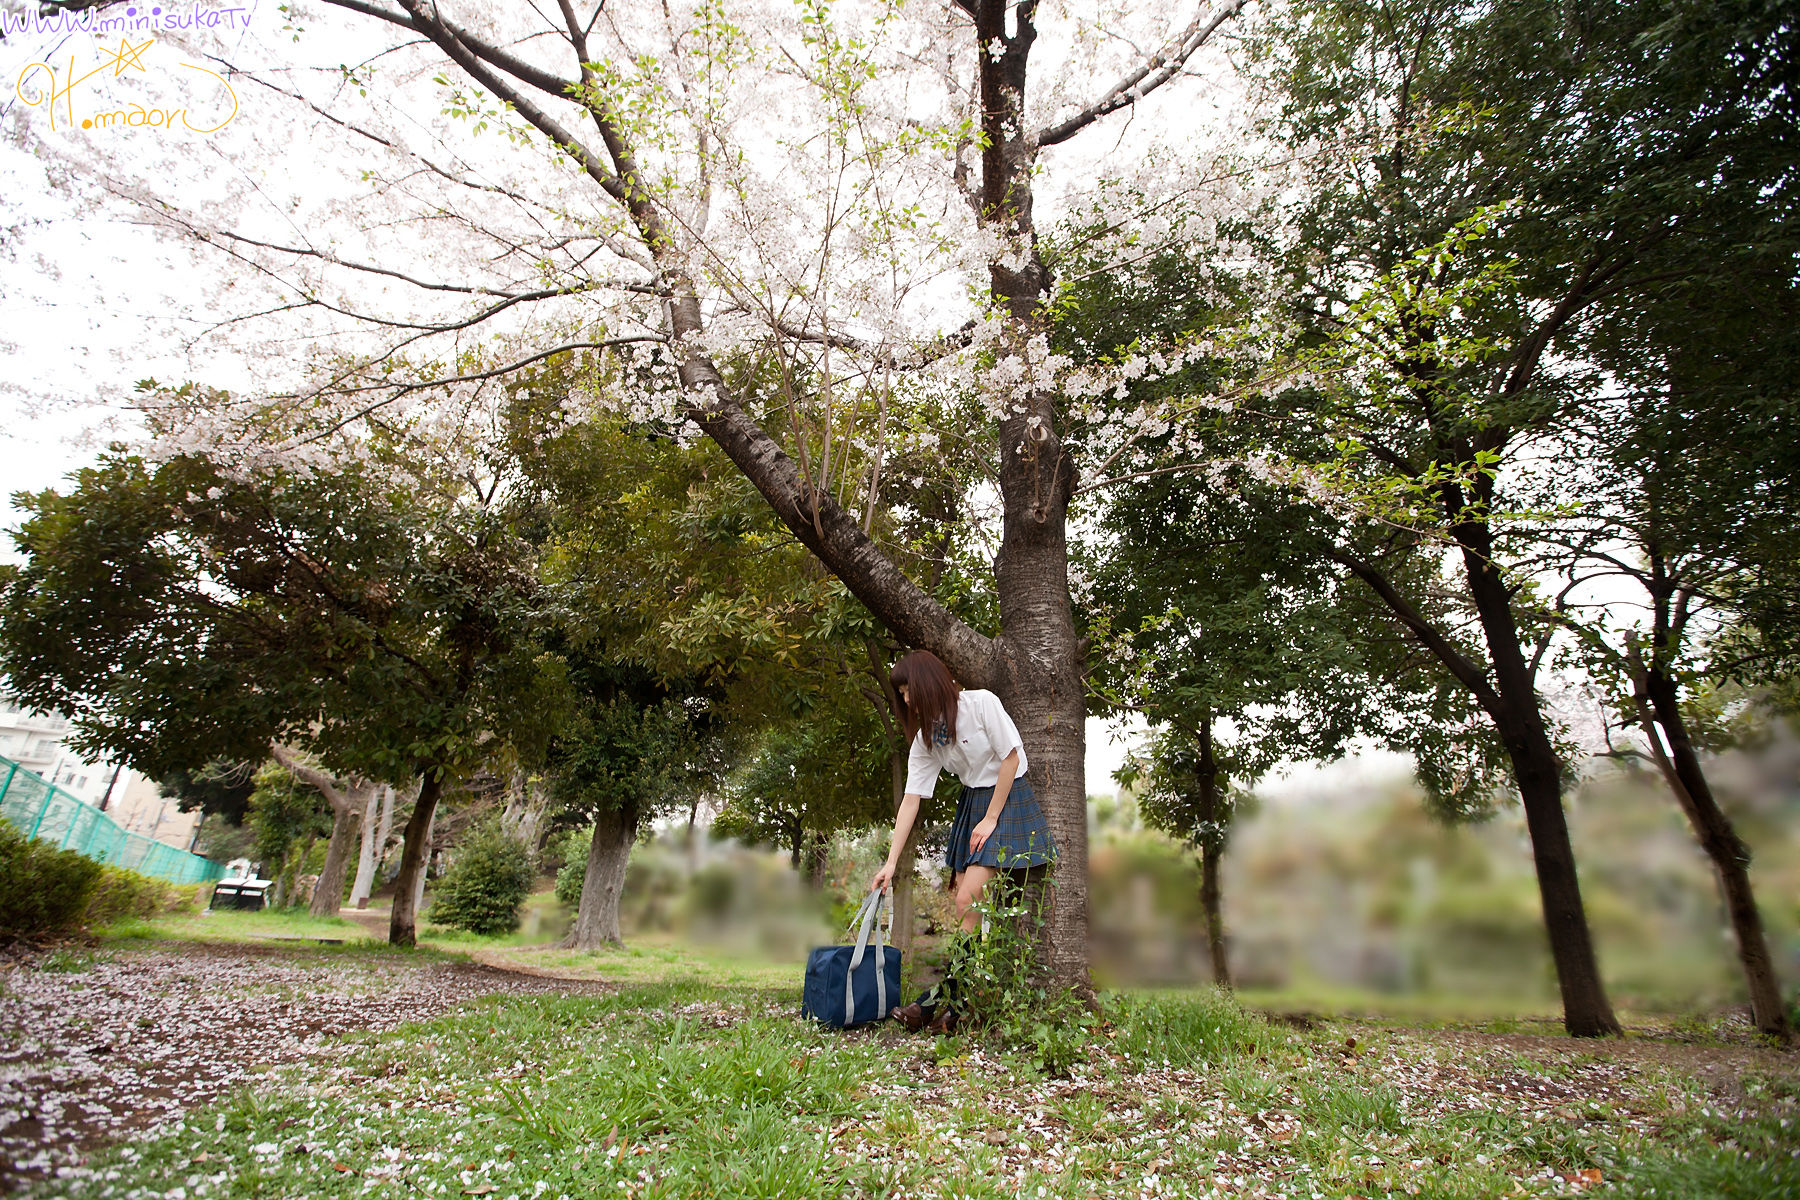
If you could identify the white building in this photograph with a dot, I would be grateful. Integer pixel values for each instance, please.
(36, 742)
(33, 740)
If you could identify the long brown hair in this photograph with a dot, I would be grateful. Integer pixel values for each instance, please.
(931, 695)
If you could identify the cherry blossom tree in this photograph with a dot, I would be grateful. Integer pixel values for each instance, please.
(804, 231)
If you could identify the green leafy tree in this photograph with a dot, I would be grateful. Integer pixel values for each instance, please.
(1698, 506)
(1217, 610)
(217, 788)
(1481, 191)
(185, 614)
(809, 776)
(680, 608)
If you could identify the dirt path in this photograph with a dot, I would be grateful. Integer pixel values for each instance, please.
(93, 1047)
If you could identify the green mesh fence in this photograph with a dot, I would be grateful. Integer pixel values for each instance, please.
(45, 811)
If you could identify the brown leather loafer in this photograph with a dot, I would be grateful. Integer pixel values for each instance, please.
(912, 1017)
(943, 1023)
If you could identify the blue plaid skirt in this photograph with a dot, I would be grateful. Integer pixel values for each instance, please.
(1021, 836)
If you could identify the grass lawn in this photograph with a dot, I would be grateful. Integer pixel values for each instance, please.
(230, 925)
(696, 1077)
(369, 927)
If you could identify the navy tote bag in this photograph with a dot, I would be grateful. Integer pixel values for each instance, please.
(848, 986)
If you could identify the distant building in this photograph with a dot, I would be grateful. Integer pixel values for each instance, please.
(31, 739)
(139, 806)
(35, 741)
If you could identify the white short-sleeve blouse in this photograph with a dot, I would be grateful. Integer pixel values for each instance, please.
(985, 735)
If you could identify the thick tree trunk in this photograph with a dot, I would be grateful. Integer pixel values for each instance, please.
(1538, 772)
(1729, 855)
(374, 835)
(597, 917)
(409, 885)
(1040, 672)
(1040, 665)
(328, 892)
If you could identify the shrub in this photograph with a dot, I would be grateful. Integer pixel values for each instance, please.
(1004, 991)
(484, 888)
(42, 889)
(572, 847)
(125, 895)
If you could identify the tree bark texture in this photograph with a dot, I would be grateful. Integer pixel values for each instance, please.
(1729, 855)
(328, 892)
(1514, 708)
(527, 804)
(410, 883)
(374, 834)
(597, 916)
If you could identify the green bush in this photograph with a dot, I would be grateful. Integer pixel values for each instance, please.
(125, 895)
(42, 889)
(572, 848)
(486, 885)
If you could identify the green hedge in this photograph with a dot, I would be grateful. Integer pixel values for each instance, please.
(125, 894)
(44, 890)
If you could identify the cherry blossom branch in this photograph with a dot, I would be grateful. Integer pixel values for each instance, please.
(462, 50)
(401, 389)
(1161, 67)
(1116, 480)
(506, 298)
(388, 144)
(413, 18)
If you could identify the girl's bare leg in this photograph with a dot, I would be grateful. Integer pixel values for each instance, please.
(968, 887)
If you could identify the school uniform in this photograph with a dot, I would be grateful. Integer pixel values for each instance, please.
(985, 735)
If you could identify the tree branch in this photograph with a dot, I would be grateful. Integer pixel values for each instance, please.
(1428, 635)
(518, 68)
(328, 786)
(1161, 67)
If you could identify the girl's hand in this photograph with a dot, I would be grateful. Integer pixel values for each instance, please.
(882, 878)
(980, 834)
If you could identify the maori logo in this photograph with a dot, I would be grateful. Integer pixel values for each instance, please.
(41, 84)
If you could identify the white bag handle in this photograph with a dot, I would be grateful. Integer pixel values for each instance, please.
(867, 921)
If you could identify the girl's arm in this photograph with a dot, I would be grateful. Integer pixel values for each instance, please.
(1009, 770)
(903, 823)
